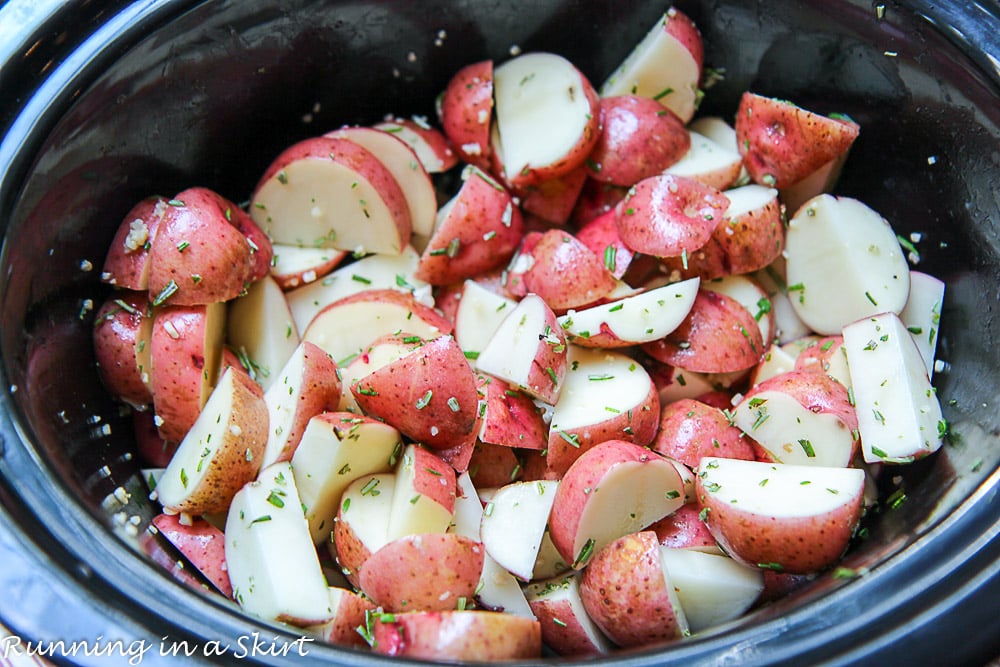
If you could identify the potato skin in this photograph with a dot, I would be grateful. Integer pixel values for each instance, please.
(127, 263)
(201, 543)
(469, 635)
(690, 429)
(118, 339)
(466, 110)
(565, 273)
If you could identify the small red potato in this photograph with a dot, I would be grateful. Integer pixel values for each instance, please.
(566, 627)
(601, 236)
(690, 429)
(511, 418)
(292, 266)
(153, 450)
(429, 572)
(637, 488)
(122, 331)
(750, 294)
(429, 143)
(349, 610)
(202, 544)
(752, 233)
(466, 112)
(782, 143)
(627, 592)
(684, 529)
(669, 216)
(202, 252)
(127, 263)
(783, 517)
(513, 524)
(458, 636)
(565, 273)
(711, 587)
(639, 139)
(424, 497)
(595, 199)
(260, 328)
(491, 466)
(828, 356)
(362, 524)
(553, 200)
(476, 231)
(709, 163)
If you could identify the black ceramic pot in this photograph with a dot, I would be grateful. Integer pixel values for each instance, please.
(104, 103)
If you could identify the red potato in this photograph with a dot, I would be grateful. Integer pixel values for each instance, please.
(566, 627)
(302, 199)
(669, 216)
(627, 592)
(466, 112)
(429, 143)
(273, 565)
(606, 396)
(458, 636)
(404, 165)
(922, 314)
(801, 418)
(307, 385)
(637, 488)
(429, 394)
(424, 497)
(222, 451)
(185, 349)
(788, 325)
(711, 587)
(565, 273)
(782, 143)
(684, 529)
(362, 524)
(751, 295)
(493, 465)
(514, 522)
(383, 350)
(292, 266)
(200, 254)
(639, 139)
(512, 279)
(788, 518)
(601, 236)
(547, 118)
(709, 163)
(777, 360)
(818, 182)
(345, 327)
(476, 231)
(666, 66)
(122, 331)
(690, 429)
(429, 572)
(511, 418)
(152, 449)
(828, 356)
(718, 336)
(553, 200)
(202, 544)
(126, 265)
(349, 610)
(595, 199)
(528, 350)
(337, 448)
(643, 318)
(753, 233)
(778, 585)
(260, 328)
(478, 314)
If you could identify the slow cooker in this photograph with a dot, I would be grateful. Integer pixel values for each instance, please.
(103, 103)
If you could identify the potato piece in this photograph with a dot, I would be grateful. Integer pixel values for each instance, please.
(302, 199)
(292, 266)
(565, 273)
(690, 429)
(828, 356)
(458, 636)
(122, 330)
(222, 451)
(466, 112)
(787, 518)
(424, 496)
(480, 312)
(684, 529)
(513, 523)
(566, 627)
(639, 139)
(260, 327)
(126, 265)
(749, 294)
(601, 236)
(712, 588)
(922, 315)
(428, 143)
(349, 610)
(362, 525)
(510, 418)
(553, 199)
(202, 544)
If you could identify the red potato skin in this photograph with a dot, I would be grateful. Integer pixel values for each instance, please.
(782, 143)
(718, 336)
(553, 200)
(201, 251)
(639, 139)
(561, 629)
(471, 635)
(690, 429)
(513, 279)
(153, 450)
(291, 280)
(433, 139)
(796, 545)
(348, 549)
(202, 544)
(667, 216)
(625, 593)
(565, 273)
(466, 111)
(778, 585)
(260, 244)
(637, 426)
(680, 26)
(427, 572)
(511, 418)
(534, 466)
(407, 394)
(350, 614)
(484, 228)
(816, 358)
(596, 199)
(684, 529)
(117, 333)
(434, 478)
(127, 263)
(600, 234)
(493, 466)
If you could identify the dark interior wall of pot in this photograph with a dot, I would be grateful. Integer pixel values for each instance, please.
(216, 91)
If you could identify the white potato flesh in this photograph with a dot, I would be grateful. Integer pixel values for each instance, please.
(922, 315)
(684, 384)
(500, 589)
(776, 361)
(306, 207)
(599, 384)
(899, 415)
(712, 588)
(787, 324)
(716, 129)
(843, 262)
(272, 562)
(282, 400)
(413, 512)
(705, 157)
(549, 562)
(479, 315)
(820, 181)
(511, 351)
(366, 505)
(642, 318)
(260, 327)
(300, 266)
(780, 491)
(792, 433)
(566, 589)
(330, 456)
(748, 293)
(659, 63)
(372, 272)
(541, 110)
(468, 513)
(514, 522)
(432, 162)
